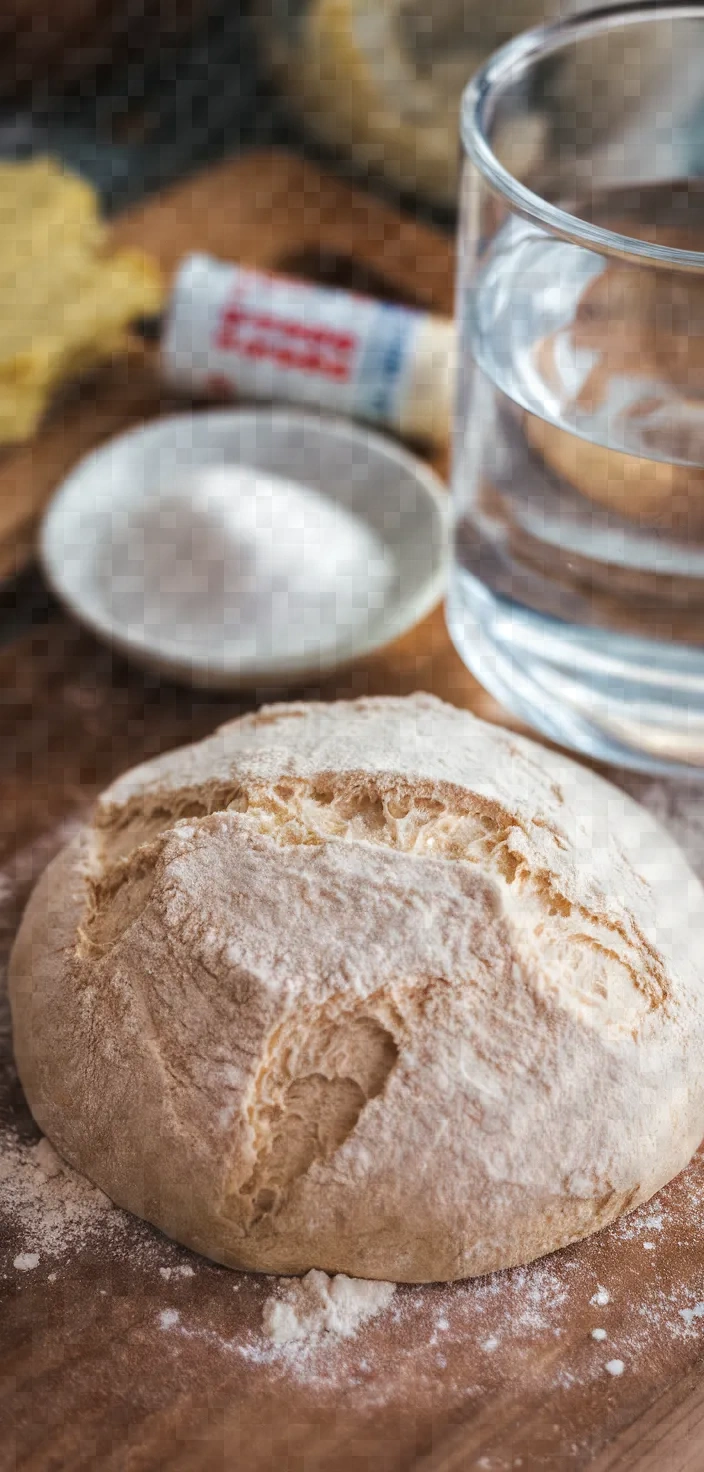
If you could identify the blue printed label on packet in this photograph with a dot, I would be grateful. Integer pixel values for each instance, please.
(383, 365)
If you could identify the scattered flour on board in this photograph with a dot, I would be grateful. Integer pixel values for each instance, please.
(26, 1261)
(306, 1329)
(690, 1314)
(51, 1207)
(305, 1308)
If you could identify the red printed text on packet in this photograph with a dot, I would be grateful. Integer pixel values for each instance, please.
(290, 344)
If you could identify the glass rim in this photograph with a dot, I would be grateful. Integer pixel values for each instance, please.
(508, 62)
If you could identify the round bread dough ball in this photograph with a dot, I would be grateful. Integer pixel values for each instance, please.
(370, 987)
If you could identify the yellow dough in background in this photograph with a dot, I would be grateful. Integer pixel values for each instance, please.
(65, 302)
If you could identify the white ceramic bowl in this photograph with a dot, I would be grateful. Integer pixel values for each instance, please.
(398, 497)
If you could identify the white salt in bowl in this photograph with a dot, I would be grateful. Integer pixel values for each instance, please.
(271, 581)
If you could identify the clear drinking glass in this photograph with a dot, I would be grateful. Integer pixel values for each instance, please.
(577, 586)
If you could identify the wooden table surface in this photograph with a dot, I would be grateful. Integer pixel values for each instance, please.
(120, 1350)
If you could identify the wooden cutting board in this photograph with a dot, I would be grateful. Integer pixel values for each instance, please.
(119, 1350)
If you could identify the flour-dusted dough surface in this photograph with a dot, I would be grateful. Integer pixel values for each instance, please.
(368, 987)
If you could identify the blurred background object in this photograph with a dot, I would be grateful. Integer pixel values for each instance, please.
(137, 93)
(133, 94)
(68, 41)
(382, 80)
